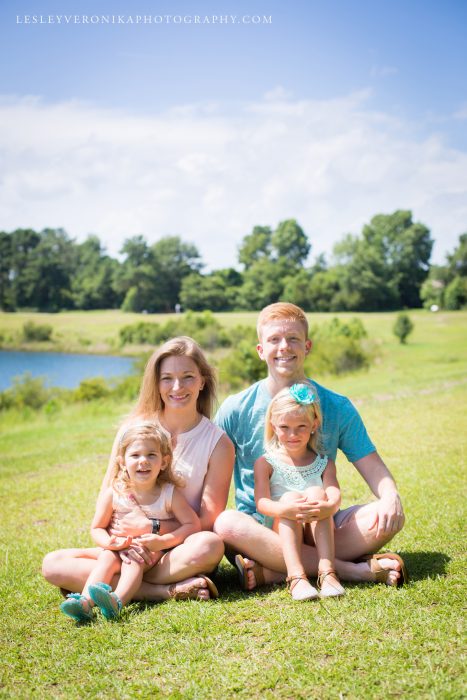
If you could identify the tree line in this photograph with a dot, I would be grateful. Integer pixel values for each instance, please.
(386, 267)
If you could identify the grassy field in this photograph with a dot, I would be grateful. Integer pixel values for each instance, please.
(376, 642)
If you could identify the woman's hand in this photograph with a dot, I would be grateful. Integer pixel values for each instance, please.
(139, 554)
(130, 524)
(154, 543)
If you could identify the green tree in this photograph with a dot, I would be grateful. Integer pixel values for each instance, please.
(402, 327)
(262, 284)
(290, 243)
(365, 282)
(457, 261)
(405, 249)
(6, 271)
(216, 291)
(173, 260)
(92, 282)
(255, 246)
(455, 294)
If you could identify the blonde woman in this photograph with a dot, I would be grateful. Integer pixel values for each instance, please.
(177, 392)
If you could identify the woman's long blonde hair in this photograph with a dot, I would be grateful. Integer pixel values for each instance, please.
(149, 400)
(120, 479)
(283, 403)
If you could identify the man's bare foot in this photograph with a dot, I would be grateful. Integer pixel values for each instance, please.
(387, 569)
(253, 574)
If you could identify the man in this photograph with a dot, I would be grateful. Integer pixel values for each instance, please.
(283, 344)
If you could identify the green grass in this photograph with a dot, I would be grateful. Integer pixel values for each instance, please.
(376, 642)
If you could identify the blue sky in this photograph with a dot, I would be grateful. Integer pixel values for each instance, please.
(329, 112)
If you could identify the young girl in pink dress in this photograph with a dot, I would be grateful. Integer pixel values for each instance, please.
(142, 478)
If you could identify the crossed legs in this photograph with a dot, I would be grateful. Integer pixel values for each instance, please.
(180, 567)
(353, 539)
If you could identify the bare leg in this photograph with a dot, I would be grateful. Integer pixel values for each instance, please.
(107, 565)
(241, 533)
(291, 537)
(201, 552)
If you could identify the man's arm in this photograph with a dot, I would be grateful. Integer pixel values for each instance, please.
(389, 516)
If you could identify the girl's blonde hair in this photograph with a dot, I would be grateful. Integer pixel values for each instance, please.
(284, 402)
(120, 479)
(149, 400)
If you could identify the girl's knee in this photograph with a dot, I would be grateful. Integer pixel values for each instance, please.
(316, 493)
(290, 497)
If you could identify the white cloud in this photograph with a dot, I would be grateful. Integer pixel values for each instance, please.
(210, 175)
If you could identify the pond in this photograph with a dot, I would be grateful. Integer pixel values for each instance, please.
(60, 369)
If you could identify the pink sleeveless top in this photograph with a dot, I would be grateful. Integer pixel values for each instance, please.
(191, 458)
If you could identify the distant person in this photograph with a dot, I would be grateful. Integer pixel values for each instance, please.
(291, 478)
(360, 530)
(177, 393)
(142, 477)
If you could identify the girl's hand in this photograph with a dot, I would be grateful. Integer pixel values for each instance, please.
(299, 509)
(320, 510)
(139, 554)
(117, 543)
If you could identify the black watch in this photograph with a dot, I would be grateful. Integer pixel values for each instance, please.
(156, 525)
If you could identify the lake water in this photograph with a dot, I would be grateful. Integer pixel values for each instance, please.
(60, 369)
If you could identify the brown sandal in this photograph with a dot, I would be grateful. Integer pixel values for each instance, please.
(381, 575)
(327, 589)
(192, 592)
(292, 582)
(243, 570)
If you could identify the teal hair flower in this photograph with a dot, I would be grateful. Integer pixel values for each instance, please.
(302, 393)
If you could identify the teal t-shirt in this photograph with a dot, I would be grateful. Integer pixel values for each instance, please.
(242, 418)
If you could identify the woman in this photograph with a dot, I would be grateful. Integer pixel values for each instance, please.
(177, 391)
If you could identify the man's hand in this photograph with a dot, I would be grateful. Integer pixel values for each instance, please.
(389, 516)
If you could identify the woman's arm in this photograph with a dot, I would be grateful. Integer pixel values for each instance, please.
(188, 524)
(217, 482)
(101, 520)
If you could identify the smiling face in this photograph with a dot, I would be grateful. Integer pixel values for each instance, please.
(180, 382)
(293, 431)
(284, 346)
(143, 461)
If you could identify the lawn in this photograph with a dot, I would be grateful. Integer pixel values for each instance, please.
(376, 642)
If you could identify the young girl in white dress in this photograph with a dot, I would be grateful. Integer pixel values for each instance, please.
(290, 477)
(142, 478)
